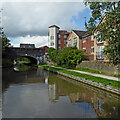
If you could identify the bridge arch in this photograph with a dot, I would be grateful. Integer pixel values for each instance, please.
(33, 54)
(31, 58)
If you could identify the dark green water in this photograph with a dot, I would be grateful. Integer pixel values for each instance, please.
(35, 93)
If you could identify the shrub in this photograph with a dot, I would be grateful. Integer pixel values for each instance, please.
(69, 56)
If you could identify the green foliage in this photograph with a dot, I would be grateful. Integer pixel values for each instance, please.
(5, 42)
(23, 60)
(109, 29)
(69, 56)
(53, 54)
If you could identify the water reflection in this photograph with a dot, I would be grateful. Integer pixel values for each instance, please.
(43, 94)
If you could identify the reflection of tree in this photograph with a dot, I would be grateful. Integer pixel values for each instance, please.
(103, 105)
(79, 94)
(26, 75)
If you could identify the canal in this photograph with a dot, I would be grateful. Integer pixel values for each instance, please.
(30, 92)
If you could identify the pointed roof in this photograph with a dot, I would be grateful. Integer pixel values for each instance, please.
(80, 33)
(54, 26)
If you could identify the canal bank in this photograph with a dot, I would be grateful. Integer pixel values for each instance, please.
(99, 85)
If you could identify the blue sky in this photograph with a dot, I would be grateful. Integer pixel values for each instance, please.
(29, 22)
(80, 20)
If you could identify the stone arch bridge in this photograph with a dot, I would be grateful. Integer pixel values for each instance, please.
(36, 55)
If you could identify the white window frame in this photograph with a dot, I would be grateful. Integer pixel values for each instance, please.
(70, 43)
(100, 54)
(75, 42)
(92, 52)
(98, 33)
(51, 37)
(51, 43)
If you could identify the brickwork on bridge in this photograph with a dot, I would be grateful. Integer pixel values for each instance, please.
(31, 53)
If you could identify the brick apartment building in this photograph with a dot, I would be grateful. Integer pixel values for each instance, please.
(88, 45)
(46, 49)
(99, 44)
(57, 38)
(83, 41)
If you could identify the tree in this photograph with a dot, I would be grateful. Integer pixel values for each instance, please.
(4, 39)
(5, 42)
(68, 57)
(109, 28)
(53, 54)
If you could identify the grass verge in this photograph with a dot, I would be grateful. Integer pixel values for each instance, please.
(104, 81)
(90, 70)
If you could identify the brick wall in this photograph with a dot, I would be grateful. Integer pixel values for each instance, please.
(62, 39)
(101, 66)
(87, 45)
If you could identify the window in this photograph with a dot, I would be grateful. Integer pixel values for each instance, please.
(69, 43)
(92, 50)
(92, 37)
(65, 36)
(84, 49)
(75, 42)
(99, 37)
(59, 42)
(59, 36)
(52, 43)
(84, 39)
(65, 42)
(59, 48)
(100, 54)
(52, 38)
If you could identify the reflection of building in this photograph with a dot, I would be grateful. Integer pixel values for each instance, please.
(46, 80)
(53, 96)
(90, 98)
(99, 105)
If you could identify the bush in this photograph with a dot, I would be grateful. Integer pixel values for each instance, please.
(53, 54)
(69, 56)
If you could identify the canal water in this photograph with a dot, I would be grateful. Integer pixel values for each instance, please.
(30, 92)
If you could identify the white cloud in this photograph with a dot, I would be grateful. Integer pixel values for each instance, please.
(22, 19)
(37, 40)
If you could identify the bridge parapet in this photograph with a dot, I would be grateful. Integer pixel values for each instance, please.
(15, 52)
